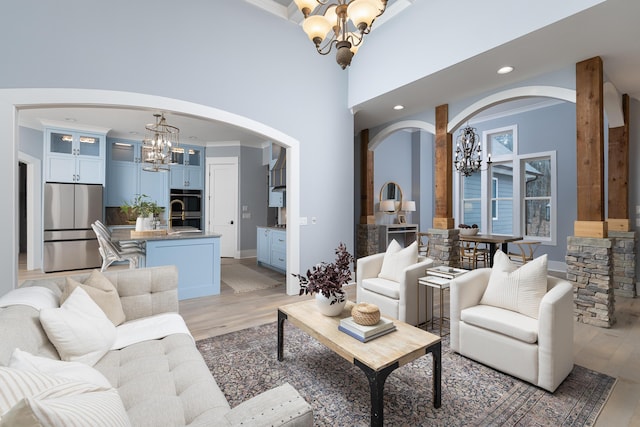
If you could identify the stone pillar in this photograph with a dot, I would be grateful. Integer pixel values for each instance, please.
(589, 268)
(444, 246)
(368, 240)
(624, 263)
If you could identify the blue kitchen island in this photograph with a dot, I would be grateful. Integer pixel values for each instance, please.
(196, 254)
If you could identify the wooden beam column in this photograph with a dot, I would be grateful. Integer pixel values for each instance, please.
(443, 218)
(618, 188)
(367, 215)
(590, 149)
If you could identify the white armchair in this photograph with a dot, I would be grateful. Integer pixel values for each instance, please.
(539, 351)
(395, 299)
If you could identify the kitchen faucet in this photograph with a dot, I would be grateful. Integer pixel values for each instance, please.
(181, 203)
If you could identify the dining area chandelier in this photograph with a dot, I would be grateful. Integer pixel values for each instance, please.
(158, 143)
(468, 156)
(339, 23)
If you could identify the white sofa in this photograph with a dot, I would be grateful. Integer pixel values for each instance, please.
(397, 299)
(539, 351)
(161, 382)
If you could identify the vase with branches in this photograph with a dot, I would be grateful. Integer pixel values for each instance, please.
(327, 279)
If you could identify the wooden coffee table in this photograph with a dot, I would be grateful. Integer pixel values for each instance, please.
(377, 358)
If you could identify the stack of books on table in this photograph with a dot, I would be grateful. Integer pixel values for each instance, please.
(366, 333)
(445, 272)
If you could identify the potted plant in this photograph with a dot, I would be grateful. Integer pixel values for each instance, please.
(326, 280)
(143, 209)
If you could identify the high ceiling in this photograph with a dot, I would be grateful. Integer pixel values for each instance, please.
(609, 30)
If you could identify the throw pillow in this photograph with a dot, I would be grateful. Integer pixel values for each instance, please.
(69, 404)
(79, 329)
(396, 260)
(16, 384)
(516, 289)
(70, 370)
(102, 291)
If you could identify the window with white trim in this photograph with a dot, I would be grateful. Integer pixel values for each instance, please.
(516, 195)
(537, 201)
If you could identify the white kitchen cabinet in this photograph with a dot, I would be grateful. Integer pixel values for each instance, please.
(126, 177)
(272, 248)
(74, 156)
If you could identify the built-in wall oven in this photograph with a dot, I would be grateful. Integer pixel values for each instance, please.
(186, 208)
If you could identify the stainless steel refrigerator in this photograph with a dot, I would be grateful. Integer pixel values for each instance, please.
(69, 211)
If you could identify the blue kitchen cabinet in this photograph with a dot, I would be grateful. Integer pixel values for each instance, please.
(126, 177)
(74, 156)
(263, 252)
(188, 172)
(272, 248)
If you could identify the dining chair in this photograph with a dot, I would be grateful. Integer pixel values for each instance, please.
(423, 244)
(526, 249)
(121, 244)
(472, 253)
(111, 253)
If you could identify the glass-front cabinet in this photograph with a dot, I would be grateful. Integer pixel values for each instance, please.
(188, 171)
(74, 156)
(126, 177)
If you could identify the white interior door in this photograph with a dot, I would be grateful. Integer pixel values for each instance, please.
(222, 196)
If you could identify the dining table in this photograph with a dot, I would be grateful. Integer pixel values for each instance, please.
(493, 240)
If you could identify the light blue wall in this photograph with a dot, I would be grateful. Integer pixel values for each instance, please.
(392, 162)
(252, 186)
(550, 129)
(221, 54)
(253, 195)
(31, 142)
(423, 165)
(634, 171)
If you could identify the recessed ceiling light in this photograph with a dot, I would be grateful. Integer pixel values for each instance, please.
(133, 132)
(193, 137)
(398, 107)
(69, 119)
(505, 70)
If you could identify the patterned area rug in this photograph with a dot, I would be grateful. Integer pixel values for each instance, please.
(243, 279)
(244, 364)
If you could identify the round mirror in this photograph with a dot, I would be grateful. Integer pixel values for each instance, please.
(390, 198)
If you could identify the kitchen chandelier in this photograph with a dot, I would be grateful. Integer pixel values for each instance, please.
(157, 145)
(468, 152)
(347, 21)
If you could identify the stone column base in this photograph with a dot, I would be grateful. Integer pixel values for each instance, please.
(368, 240)
(589, 269)
(444, 246)
(624, 263)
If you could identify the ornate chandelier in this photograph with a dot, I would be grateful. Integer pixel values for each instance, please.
(158, 143)
(468, 152)
(342, 23)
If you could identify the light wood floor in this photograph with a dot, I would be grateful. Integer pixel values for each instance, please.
(614, 351)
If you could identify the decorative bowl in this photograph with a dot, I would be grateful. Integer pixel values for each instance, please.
(469, 231)
(365, 314)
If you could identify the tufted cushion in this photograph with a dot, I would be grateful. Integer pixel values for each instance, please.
(517, 289)
(505, 322)
(164, 383)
